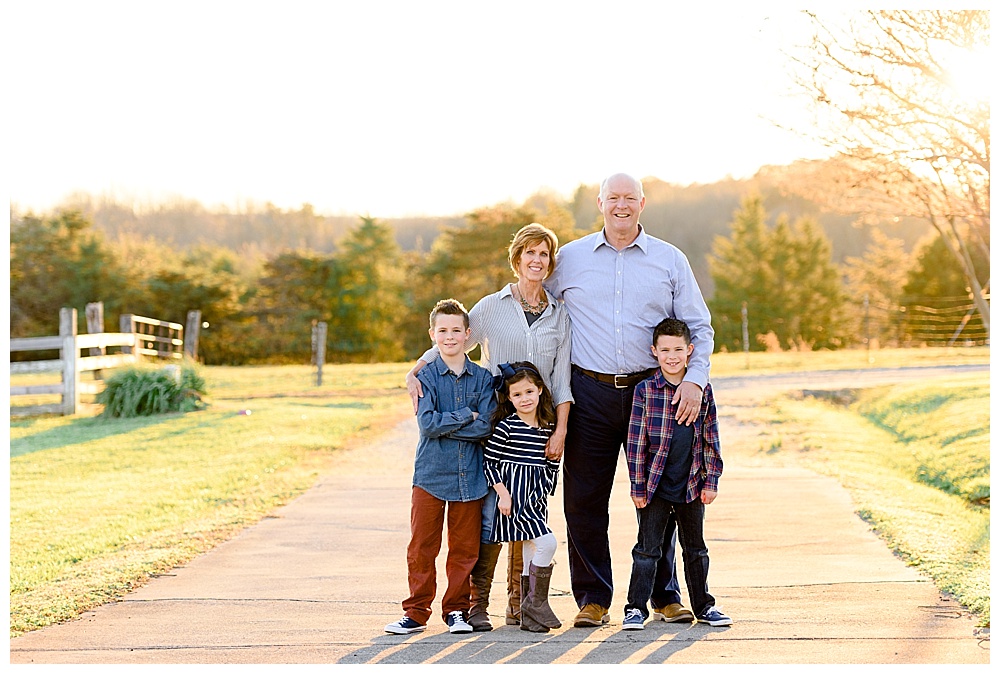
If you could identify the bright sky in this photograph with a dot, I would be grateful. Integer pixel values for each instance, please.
(387, 107)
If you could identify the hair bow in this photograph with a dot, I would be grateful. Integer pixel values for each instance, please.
(506, 372)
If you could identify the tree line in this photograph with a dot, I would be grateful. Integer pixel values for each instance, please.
(801, 289)
(887, 241)
(688, 216)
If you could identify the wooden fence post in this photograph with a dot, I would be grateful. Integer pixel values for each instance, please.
(95, 324)
(319, 349)
(68, 356)
(127, 326)
(746, 333)
(191, 331)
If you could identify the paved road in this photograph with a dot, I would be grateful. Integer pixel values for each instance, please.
(803, 577)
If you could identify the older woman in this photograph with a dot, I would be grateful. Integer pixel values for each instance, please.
(520, 322)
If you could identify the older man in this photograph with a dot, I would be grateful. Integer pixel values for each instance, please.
(617, 284)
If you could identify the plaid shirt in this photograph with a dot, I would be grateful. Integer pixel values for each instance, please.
(650, 429)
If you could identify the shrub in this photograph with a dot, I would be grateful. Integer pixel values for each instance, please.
(142, 391)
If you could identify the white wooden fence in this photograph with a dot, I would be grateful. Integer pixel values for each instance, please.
(147, 337)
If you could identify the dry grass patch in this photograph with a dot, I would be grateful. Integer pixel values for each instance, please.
(100, 505)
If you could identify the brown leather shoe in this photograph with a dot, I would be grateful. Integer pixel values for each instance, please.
(673, 613)
(591, 615)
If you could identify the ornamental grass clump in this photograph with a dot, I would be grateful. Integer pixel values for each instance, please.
(143, 391)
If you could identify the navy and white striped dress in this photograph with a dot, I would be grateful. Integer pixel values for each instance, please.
(515, 456)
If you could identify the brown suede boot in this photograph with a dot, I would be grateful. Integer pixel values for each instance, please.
(482, 582)
(528, 622)
(537, 610)
(515, 566)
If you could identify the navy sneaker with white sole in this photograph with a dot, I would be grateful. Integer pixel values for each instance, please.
(405, 625)
(457, 624)
(714, 617)
(633, 620)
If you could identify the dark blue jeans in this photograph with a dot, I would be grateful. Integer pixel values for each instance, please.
(598, 427)
(667, 589)
(653, 535)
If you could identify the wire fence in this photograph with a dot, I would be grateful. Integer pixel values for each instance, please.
(938, 321)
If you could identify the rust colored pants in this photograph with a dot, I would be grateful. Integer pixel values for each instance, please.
(427, 517)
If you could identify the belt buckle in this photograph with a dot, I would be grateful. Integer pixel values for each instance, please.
(617, 385)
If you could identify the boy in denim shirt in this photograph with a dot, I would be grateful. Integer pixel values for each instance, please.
(453, 417)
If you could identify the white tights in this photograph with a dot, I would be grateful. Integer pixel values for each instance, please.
(538, 551)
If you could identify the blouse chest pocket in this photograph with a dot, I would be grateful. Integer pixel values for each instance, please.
(547, 339)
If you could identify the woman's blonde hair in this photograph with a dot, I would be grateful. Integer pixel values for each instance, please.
(532, 235)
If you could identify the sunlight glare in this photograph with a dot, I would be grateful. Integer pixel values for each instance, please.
(967, 73)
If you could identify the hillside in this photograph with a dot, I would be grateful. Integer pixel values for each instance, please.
(687, 216)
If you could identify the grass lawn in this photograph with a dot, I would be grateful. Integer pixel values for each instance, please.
(98, 506)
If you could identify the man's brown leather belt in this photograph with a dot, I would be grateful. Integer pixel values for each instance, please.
(617, 380)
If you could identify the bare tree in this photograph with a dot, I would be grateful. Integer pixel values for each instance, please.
(902, 98)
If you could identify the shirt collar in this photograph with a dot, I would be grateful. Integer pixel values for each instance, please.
(443, 369)
(507, 292)
(661, 381)
(642, 241)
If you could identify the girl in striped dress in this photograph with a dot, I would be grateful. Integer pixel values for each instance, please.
(523, 478)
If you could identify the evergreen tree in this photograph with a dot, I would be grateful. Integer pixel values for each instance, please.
(739, 267)
(818, 305)
(786, 278)
(780, 313)
(368, 304)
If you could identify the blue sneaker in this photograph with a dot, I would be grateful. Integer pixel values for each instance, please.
(405, 626)
(633, 620)
(714, 617)
(456, 623)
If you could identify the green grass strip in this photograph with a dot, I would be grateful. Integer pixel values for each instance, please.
(946, 425)
(918, 473)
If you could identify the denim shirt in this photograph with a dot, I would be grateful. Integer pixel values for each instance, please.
(449, 461)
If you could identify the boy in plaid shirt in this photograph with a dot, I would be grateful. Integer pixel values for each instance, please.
(674, 469)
